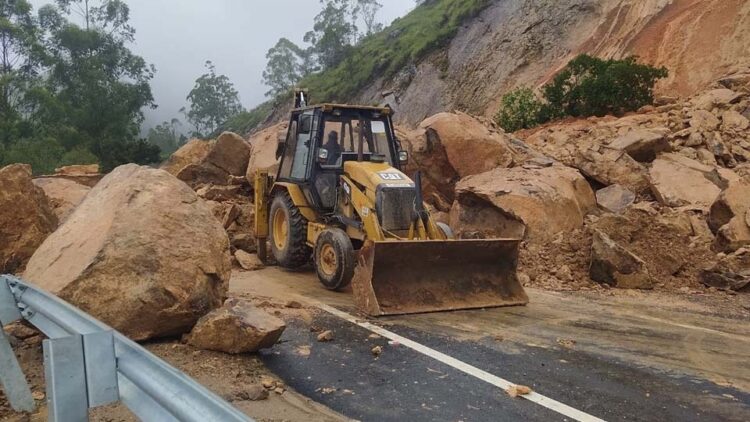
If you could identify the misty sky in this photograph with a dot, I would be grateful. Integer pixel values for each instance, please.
(178, 36)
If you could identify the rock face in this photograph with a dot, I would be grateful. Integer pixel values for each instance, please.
(614, 265)
(26, 217)
(64, 195)
(512, 202)
(237, 327)
(142, 253)
(264, 145)
(678, 181)
(615, 198)
(730, 217)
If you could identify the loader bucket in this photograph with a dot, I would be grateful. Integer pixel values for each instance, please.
(407, 277)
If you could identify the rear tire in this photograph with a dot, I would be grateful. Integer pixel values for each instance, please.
(288, 233)
(334, 259)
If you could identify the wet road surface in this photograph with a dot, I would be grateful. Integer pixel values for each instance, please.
(613, 358)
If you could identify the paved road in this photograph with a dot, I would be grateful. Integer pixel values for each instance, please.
(630, 360)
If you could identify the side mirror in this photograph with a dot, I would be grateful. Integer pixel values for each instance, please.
(403, 157)
(322, 156)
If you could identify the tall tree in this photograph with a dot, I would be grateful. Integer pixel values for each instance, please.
(367, 11)
(333, 32)
(166, 137)
(213, 100)
(97, 88)
(18, 36)
(287, 64)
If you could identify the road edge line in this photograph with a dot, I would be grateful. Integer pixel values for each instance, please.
(464, 367)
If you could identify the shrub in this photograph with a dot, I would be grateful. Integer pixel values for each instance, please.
(520, 110)
(590, 86)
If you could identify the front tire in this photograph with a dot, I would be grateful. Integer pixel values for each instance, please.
(288, 233)
(334, 259)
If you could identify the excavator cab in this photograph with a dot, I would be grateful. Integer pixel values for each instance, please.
(341, 199)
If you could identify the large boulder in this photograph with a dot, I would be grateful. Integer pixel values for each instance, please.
(142, 253)
(230, 153)
(615, 198)
(642, 144)
(616, 266)
(678, 181)
(264, 145)
(64, 195)
(26, 217)
(537, 202)
(729, 217)
(193, 152)
(237, 327)
(470, 146)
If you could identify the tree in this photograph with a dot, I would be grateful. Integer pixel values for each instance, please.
(213, 101)
(18, 67)
(97, 88)
(520, 110)
(166, 137)
(286, 66)
(333, 33)
(367, 10)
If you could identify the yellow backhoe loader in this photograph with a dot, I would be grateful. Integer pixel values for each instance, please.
(340, 198)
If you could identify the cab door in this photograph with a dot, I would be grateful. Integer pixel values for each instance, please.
(295, 164)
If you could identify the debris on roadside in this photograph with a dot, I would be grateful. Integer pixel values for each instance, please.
(326, 390)
(374, 336)
(518, 390)
(253, 392)
(293, 304)
(377, 351)
(325, 336)
(566, 342)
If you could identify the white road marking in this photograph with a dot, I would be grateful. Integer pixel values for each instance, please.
(537, 398)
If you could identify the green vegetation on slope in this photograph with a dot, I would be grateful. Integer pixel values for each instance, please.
(409, 39)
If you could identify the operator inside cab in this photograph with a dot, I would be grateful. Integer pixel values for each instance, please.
(333, 148)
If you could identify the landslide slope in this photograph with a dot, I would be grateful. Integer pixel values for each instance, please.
(465, 54)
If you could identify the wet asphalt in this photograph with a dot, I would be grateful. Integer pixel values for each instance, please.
(404, 385)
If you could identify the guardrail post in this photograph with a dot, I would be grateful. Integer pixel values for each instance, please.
(65, 377)
(11, 377)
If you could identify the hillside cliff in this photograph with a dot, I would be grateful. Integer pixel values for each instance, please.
(512, 43)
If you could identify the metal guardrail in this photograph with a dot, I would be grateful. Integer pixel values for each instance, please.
(87, 364)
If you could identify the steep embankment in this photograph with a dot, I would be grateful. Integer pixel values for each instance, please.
(511, 43)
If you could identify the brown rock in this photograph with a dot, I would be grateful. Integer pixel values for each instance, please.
(230, 153)
(78, 170)
(507, 202)
(219, 193)
(641, 144)
(616, 266)
(677, 180)
(237, 327)
(193, 152)
(64, 195)
(615, 198)
(734, 120)
(26, 217)
(200, 174)
(142, 253)
(325, 336)
(731, 273)
(716, 98)
(248, 262)
(728, 217)
(704, 121)
(518, 390)
(252, 393)
(471, 147)
(264, 145)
